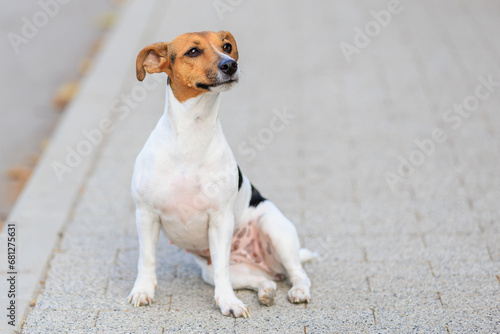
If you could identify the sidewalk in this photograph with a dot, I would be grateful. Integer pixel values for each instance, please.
(417, 254)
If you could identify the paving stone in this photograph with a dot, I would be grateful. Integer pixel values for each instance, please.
(482, 320)
(53, 301)
(58, 321)
(393, 249)
(409, 320)
(86, 278)
(139, 321)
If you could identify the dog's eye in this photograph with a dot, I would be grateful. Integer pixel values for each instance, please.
(227, 48)
(193, 52)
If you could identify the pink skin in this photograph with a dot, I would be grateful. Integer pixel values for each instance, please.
(251, 247)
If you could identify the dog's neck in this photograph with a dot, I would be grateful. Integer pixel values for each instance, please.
(193, 123)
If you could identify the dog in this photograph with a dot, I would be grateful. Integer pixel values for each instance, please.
(186, 180)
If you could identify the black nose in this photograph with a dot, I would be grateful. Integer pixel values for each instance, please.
(228, 66)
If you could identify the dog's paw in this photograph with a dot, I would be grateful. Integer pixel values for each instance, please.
(230, 305)
(299, 294)
(267, 292)
(143, 293)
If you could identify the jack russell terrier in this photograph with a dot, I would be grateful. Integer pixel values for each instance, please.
(186, 180)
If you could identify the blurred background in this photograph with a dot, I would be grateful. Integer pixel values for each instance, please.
(43, 58)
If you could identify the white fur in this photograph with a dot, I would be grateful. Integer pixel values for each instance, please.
(186, 181)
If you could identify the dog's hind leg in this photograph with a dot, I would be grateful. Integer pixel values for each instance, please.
(244, 276)
(282, 235)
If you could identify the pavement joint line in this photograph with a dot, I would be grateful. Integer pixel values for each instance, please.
(363, 232)
(440, 299)
(452, 48)
(489, 252)
(481, 229)
(374, 317)
(96, 317)
(417, 215)
(486, 44)
(117, 255)
(422, 238)
(431, 269)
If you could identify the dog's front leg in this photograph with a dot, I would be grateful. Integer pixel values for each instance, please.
(220, 234)
(148, 227)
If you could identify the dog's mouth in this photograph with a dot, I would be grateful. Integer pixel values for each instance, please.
(222, 84)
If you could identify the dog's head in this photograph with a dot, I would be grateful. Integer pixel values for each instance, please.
(196, 63)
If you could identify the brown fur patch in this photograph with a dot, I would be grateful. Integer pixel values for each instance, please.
(186, 72)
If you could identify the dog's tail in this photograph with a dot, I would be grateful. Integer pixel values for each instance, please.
(306, 255)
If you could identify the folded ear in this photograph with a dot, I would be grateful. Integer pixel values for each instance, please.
(227, 35)
(153, 59)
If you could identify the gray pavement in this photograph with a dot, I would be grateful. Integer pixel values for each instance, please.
(416, 254)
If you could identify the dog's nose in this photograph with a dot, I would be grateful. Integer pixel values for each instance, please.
(228, 66)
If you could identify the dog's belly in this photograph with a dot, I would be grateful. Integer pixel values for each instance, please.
(191, 234)
(254, 248)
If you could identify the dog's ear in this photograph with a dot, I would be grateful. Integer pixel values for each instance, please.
(227, 35)
(153, 59)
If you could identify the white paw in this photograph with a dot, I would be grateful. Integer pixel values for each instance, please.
(299, 294)
(231, 305)
(143, 293)
(267, 292)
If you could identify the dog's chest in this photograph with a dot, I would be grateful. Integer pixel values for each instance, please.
(178, 198)
(183, 195)
(185, 199)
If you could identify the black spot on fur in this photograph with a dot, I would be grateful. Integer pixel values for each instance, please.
(173, 55)
(202, 86)
(256, 197)
(240, 178)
